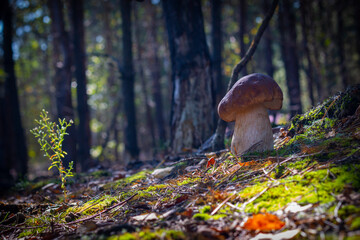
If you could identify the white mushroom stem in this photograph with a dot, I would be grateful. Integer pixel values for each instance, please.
(252, 131)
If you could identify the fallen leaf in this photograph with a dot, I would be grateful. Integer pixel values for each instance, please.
(249, 163)
(278, 236)
(145, 217)
(294, 207)
(210, 162)
(263, 222)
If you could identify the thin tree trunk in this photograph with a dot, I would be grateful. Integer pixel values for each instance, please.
(340, 5)
(84, 135)
(309, 69)
(268, 52)
(148, 114)
(62, 65)
(154, 66)
(357, 27)
(113, 92)
(315, 48)
(130, 136)
(192, 102)
(216, 40)
(218, 139)
(289, 54)
(326, 47)
(242, 31)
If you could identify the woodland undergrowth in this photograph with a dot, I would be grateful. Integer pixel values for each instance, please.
(308, 187)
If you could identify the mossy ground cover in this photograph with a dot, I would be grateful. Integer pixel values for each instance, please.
(310, 181)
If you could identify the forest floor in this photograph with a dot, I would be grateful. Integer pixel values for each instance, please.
(307, 188)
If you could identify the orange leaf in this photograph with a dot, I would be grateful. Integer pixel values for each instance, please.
(246, 164)
(210, 162)
(263, 222)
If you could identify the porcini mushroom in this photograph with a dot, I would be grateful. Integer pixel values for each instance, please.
(247, 103)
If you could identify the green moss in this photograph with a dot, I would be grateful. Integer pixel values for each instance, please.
(347, 210)
(151, 235)
(188, 181)
(205, 209)
(125, 236)
(314, 187)
(100, 173)
(205, 216)
(94, 205)
(355, 224)
(128, 180)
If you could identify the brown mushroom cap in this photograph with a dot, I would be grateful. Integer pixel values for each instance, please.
(250, 90)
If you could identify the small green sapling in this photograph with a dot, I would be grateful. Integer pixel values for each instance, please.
(50, 137)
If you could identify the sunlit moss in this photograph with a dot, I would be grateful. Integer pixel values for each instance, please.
(314, 187)
(128, 180)
(206, 217)
(188, 181)
(151, 235)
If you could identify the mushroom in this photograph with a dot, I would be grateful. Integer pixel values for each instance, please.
(246, 103)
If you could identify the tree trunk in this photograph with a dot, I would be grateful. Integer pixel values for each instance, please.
(216, 40)
(309, 69)
(315, 47)
(192, 110)
(242, 30)
(325, 13)
(154, 66)
(340, 43)
(130, 138)
(15, 144)
(357, 27)
(139, 59)
(62, 64)
(114, 94)
(84, 135)
(13, 149)
(288, 50)
(268, 52)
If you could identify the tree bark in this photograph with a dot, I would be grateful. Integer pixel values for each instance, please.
(130, 134)
(218, 139)
(289, 54)
(84, 134)
(216, 41)
(192, 111)
(13, 149)
(63, 76)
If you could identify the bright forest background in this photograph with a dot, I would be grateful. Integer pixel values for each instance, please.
(114, 67)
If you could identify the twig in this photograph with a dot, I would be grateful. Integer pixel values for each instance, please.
(332, 103)
(221, 204)
(102, 212)
(243, 206)
(22, 228)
